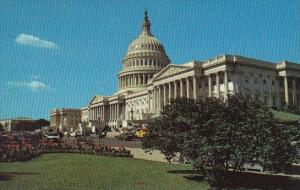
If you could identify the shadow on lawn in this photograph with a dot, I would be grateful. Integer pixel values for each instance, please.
(247, 181)
(9, 175)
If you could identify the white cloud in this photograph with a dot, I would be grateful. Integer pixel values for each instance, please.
(33, 85)
(26, 39)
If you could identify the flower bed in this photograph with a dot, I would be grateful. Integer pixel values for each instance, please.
(22, 152)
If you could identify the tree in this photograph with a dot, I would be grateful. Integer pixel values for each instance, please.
(216, 135)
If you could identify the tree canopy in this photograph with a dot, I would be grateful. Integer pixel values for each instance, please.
(215, 135)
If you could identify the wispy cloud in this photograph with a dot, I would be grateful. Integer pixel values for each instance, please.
(33, 85)
(30, 40)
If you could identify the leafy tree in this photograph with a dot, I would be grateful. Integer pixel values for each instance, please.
(215, 135)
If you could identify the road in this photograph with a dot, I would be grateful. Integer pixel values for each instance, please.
(113, 142)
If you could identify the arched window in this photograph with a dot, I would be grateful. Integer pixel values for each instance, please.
(146, 62)
(150, 62)
(142, 62)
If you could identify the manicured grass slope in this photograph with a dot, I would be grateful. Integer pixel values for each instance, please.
(78, 171)
(285, 116)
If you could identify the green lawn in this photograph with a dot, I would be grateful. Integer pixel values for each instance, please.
(78, 171)
(285, 116)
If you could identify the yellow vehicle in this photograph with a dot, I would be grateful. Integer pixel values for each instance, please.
(140, 133)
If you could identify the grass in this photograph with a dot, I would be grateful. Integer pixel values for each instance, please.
(285, 116)
(78, 171)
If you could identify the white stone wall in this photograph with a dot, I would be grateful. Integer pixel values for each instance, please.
(259, 82)
(139, 105)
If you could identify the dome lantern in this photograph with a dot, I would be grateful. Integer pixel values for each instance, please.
(146, 25)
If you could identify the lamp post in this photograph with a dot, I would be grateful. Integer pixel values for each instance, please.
(99, 128)
(131, 112)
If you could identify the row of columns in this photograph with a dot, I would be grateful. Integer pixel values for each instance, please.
(163, 93)
(134, 80)
(286, 90)
(97, 112)
(143, 62)
(113, 112)
(217, 79)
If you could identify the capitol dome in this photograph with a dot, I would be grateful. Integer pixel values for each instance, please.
(145, 56)
(145, 42)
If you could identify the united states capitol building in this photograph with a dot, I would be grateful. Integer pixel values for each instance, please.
(148, 80)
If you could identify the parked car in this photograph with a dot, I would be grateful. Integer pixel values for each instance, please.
(126, 136)
(52, 136)
(73, 134)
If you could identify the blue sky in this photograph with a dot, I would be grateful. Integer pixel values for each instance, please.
(62, 53)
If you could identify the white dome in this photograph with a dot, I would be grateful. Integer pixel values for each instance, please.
(145, 42)
(145, 56)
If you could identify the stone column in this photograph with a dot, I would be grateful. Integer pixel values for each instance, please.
(218, 85)
(149, 101)
(114, 111)
(111, 112)
(159, 98)
(96, 113)
(286, 90)
(170, 91)
(114, 108)
(233, 83)
(124, 81)
(165, 94)
(138, 79)
(203, 87)
(225, 85)
(188, 87)
(181, 87)
(121, 82)
(109, 115)
(101, 115)
(154, 98)
(91, 114)
(117, 111)
(209, 86)
(195, 88)
(132, 80)
(144, 82)
(294, 92)
(175, 89)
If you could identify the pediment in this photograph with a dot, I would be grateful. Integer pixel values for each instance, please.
(170, 70)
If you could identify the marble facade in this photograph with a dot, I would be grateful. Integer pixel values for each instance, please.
(148, 80)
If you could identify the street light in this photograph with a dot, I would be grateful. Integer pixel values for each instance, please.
(99, 128)
(131, 112)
